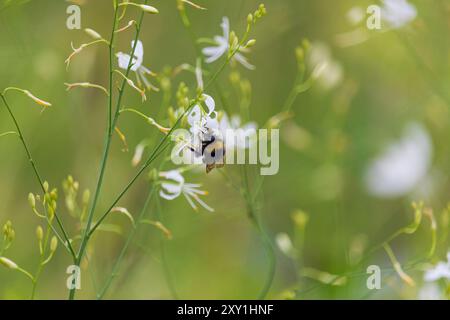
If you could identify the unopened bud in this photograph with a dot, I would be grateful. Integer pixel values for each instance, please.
(149, 9)
(250, 43)
(51, 213)
(53, 244)
(8, 263)
(32, 200)
(39, 233)
(86, 196)
(250, 18)
(94, 34)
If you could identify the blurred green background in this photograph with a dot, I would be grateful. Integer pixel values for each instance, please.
(394, 78)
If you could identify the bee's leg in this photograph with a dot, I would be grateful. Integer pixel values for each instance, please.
(210, 167)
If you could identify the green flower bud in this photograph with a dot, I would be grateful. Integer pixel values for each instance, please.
(8, 263)
(54, 194)
(250, 18)
(149, 9)
(86, 196)
(39, 233)
(53, 244)
(92, 33)
(51, 213)
(250, 43)
(32, 200)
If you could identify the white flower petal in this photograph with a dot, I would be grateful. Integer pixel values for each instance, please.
(210, 103)
(195, 115)
(191, 203)
(225, 27)
(203, 204)
(138, 52)
(441, 270)
(123, 60)
(242, 60)
(403, 165)
(213, 53)
(398, 13)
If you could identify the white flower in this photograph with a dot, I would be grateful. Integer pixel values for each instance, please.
(200, 120)
(242, 134)
(285, 245)
(137, 67)
(327, 71)
(356, 15)
(398, 13)
(430, 291)
(402, 166)
(441, 270)
(175, 185)
(223, 46)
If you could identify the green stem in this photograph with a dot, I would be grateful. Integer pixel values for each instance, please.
(165, 264)
(67, 243)
(108, 138)
(160, 148)
(128, 242)
(42, 261)
(268, 247)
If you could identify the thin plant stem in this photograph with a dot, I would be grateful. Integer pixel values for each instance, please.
(41, 263)
(268, 247)
(67, 244)
(156, 151)
(128, 242)
(108, 137)
(165, 264)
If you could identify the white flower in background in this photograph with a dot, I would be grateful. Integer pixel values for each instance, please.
(398, 13)
(402, 166)
(430, 291)
(243, 134)
(356, 15)
(137, 67)
(174, 185)
(285, 245)
(223, 46)
(440, 271)
(331, 71)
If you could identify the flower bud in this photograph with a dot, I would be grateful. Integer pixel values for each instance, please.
(250, 18)
(149, 9)
(54, 194)
(86, 196)
(94, 34)
(32, 200)
(45, 185)
(8, 263)
(233, 41)
(39, 233)
(300, 218)
(153, 175)
(250, 43)
(53, 244)
(51, 212)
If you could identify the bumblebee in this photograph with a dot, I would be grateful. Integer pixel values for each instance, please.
(212, 152)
